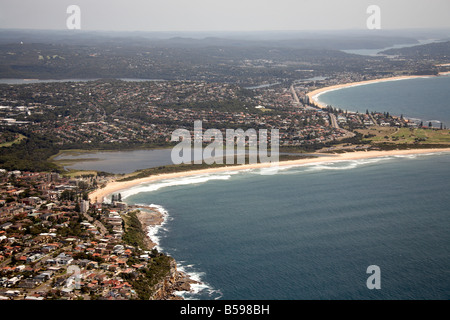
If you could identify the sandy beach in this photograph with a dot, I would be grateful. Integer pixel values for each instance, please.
(314, 95)
(116, 186)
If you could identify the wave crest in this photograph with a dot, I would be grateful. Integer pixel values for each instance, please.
(153, 186)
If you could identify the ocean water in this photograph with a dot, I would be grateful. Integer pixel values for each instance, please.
(424, 99)
(311, 232)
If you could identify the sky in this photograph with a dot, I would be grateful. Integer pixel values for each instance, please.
(223, 15)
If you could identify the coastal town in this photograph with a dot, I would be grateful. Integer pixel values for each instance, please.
(57, 243)
(69, 235)
(89, 115)
(155, 110)
(54, 244)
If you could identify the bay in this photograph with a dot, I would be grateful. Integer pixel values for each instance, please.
(423, 99)
(311, 232)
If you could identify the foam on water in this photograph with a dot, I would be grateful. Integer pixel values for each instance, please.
(153, 231)
(153, 186)
(202, 289)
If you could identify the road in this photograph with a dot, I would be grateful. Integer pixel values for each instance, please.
(333, 121)
(101, 228)
(373, 119)
(294, 94)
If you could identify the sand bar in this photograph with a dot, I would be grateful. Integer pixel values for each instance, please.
(115, 186)
(314, 95)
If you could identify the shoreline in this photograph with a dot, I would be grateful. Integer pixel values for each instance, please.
(152, 217)
(98, 196)
(177, 282)
(314, 95)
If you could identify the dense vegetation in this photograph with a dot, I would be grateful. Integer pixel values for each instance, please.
(134, 234)
(159, 267)
(30, 154)
(148, 278)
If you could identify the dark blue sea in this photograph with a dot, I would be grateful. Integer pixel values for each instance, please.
(311, 232)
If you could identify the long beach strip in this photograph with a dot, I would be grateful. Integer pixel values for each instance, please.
(115, 186)
(314, 95)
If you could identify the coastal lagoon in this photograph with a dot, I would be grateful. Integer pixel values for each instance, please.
(119, 162)
(116, 161)
(311, 231)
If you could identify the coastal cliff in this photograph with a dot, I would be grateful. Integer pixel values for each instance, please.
(173, 280)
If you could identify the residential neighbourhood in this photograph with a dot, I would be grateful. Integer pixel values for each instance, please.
(117, 114)
(51, 247)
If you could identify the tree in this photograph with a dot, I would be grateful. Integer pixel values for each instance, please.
(67, 195)
(83, 185)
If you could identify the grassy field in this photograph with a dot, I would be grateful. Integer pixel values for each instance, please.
(79, 173)
(10, 143)
(405, 135)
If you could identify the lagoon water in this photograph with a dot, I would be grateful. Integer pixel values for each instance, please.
(117, 161)
(427, 99)
(123, 161)
(310, 232)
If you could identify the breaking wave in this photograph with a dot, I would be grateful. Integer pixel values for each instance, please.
(201, 289)
(195, 179)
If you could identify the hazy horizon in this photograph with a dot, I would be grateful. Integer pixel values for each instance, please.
(442, 34)
(224, 16)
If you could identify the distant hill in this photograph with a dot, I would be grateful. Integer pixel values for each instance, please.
(334, 40)
(438, 51)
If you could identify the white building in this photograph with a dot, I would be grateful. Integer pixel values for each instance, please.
(84, 206)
